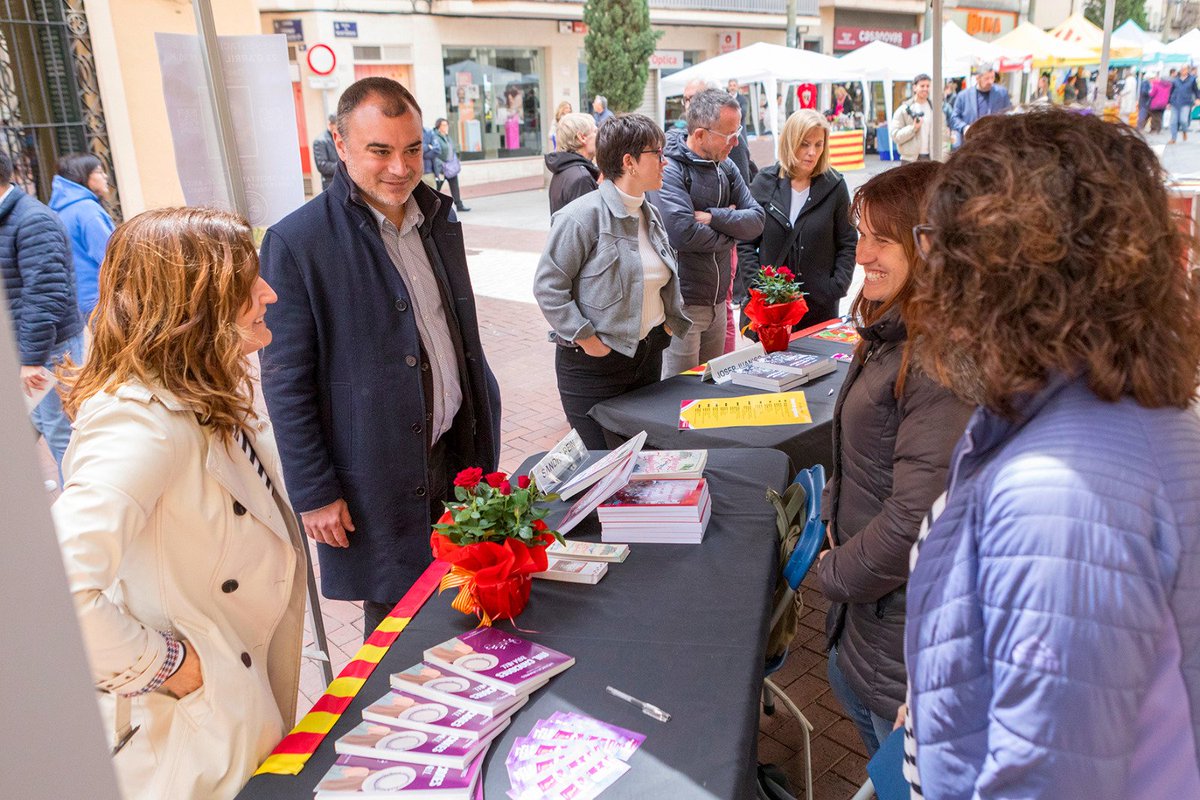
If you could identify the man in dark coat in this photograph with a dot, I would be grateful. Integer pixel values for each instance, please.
(376, 379)
(325, 154)
(39, 283)
(707, 209)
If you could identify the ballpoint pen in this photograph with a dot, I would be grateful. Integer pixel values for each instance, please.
(647, 709)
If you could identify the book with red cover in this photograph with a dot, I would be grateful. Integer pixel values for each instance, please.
(663, 499)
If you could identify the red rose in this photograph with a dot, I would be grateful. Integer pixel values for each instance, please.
(505, 488)
(468, 478)
(523, 482)
(494, 479)
(784, 272)
(769, 272)
(539, 526)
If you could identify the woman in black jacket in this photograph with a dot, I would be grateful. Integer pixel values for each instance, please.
(893, 432)
(574, 173)
(808, 226)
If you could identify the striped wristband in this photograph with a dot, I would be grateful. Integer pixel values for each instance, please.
(174, 660)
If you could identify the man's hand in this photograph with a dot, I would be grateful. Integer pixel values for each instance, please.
(594, 347)
(917, 123)
(329, 525)
(187, 678)
(703, 217)
(33, 379)
(901, 713)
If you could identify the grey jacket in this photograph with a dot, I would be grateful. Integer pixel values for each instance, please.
(889, 465)
(589, 279)
(691, 184)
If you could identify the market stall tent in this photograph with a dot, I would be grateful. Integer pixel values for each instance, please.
(880, 61)
(1046, 50)
(1077, 28)
(961, 52)
(1187, 45)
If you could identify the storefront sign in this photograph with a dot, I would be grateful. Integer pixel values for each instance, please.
(345, 30)
(666, 59)
(579, 27)
(847, 38)
(728, 41)
(983, 23)
(293, 29)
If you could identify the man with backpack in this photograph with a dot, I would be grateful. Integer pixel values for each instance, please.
(707, 209)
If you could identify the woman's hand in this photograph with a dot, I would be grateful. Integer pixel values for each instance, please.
(187, 678)
(901, 713)
(594, 347)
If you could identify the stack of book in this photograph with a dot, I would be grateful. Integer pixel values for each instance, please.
(569, 755)
(428, 736)
(665, 511)
(782, 371)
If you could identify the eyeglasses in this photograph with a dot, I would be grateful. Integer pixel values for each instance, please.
(923, 239)
(732, 137)
(658, 152)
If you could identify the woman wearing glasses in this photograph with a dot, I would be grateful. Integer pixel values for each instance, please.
(893, 430)
(808, 226)
(607, 282)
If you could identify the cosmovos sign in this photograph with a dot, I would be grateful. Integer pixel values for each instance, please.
(845, 38)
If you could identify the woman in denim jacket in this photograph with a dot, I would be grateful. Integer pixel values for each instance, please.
(608, 281)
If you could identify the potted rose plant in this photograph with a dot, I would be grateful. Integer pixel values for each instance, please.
(494, 536)
(776, 304)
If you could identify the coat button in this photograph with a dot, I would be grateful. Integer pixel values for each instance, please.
(246, 659)
(229, 586)
(238, 508)
(424, 366)
(402, 305)
(416, 427)
(410, 360)
(420, 491)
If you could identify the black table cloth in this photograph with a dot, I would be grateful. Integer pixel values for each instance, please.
(655, 409)
(681, 626)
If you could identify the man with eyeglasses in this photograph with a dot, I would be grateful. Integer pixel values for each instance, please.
(707, 209)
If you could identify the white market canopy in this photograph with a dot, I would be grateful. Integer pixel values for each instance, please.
(1046, 50)
(879, 61)
(1077, 28)
(961, 52)
(1187, 45)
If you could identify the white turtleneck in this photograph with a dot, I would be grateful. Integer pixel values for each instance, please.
(655, 272)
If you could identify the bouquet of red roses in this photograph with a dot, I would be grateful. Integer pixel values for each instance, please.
(494, 536)
(776, 304)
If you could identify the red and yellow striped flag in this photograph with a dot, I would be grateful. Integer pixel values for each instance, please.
(846, 150)
(293, 752)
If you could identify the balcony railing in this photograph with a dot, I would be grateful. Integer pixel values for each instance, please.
(804, 8)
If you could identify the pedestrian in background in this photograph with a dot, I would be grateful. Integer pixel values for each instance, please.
(325, 153)
(613, 308)
(807, 220)
(573, 172)
(39, 283)
(913, 123)
(1053, 605)
(978, 101)
(707, 209)
(563, 109)
(1160, 98)
(600, 110)
(1144, 91)
(743, 101)
(893, 431)
(78, 188)
(446, 166)
(1183, 97)
(182, 553)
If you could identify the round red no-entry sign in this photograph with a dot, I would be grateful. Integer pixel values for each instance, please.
(321, 59)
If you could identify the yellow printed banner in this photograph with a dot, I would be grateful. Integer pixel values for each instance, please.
(784, 408)
(847, 150)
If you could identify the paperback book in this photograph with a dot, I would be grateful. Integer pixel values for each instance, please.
(652, 464)
(661, 511)
(807, 365)
(357, 778)
(570, 571)
(402, 709)
(569, 756)
(441, 685)
(589, 551)
(761, 376)
(594, 472)
(391, 743)
(502, 660)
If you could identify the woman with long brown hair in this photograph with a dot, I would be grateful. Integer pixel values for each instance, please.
(182, 554)
(893, 430)
(1054, 606)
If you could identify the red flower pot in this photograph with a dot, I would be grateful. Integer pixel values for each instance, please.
(773, 321)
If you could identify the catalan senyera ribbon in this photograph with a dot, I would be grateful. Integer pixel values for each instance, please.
(466, 602)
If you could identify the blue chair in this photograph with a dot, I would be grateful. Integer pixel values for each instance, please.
(795, 567)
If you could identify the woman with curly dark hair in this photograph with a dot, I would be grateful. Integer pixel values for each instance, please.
(1053, 641)
(893, 431)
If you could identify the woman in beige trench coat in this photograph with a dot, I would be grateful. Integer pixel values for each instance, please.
(181, 550)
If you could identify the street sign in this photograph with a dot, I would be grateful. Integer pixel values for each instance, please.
(345, 30)
(666, 59)
(293, 29)
(321, 59)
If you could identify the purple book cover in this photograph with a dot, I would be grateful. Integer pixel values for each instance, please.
(376, 740)
(406, 710)
(438, 683)
(357, 777)
(499, 659)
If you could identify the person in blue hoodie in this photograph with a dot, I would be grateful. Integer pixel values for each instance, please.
(75, 196)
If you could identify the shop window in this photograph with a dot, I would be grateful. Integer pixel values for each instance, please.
(494, 101)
